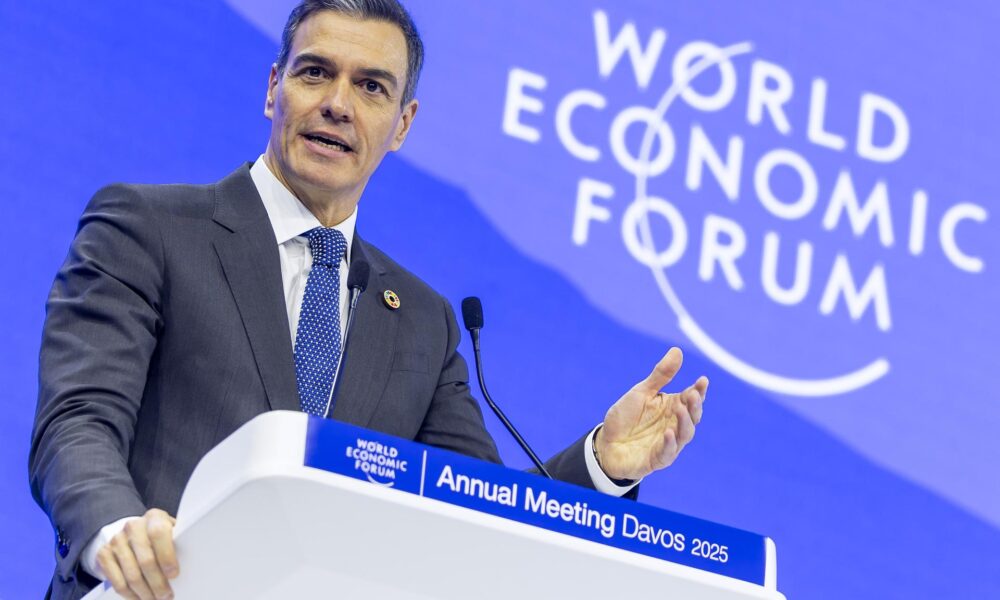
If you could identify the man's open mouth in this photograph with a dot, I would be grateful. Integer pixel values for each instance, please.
(329, 143)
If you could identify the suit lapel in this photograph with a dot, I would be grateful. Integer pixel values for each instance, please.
(249, 256)
(370, 347)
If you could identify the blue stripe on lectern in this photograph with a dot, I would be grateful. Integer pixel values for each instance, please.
(526, 498)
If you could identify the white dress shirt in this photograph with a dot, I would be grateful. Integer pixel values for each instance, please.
(290, 220)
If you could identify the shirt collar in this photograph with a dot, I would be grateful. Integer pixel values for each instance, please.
(289, 217)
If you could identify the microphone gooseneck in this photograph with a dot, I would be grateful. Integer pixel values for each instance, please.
(357, 283)
(472, 315)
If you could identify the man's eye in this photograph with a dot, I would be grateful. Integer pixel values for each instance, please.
(313, 72)
(373, 86)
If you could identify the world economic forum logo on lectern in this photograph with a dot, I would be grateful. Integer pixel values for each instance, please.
(804, 208)
(379, 462)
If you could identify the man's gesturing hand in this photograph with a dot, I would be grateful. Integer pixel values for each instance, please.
(140, 559)
(646, 429)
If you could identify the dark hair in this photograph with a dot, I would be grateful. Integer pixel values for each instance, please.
(389, 11)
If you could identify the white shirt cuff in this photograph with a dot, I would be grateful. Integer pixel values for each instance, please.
(602, 483)
(88, 560)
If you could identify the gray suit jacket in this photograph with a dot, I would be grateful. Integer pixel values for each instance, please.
(166, 330)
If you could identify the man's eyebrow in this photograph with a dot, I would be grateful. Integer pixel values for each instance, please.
(311, 58)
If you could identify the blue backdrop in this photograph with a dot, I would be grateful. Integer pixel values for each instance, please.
(814, 226)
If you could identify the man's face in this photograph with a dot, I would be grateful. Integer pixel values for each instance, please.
(335, 107)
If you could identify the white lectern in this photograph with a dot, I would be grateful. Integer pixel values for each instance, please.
(291, 506)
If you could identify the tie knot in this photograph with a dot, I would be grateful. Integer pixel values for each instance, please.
(327, 245)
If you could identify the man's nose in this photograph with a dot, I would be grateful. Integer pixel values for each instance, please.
(339, 101)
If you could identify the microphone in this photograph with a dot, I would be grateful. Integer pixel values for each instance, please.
(357, 283)
(472, 314)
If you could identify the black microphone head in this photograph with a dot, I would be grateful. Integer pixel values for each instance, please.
(357, 277)
(472, 313)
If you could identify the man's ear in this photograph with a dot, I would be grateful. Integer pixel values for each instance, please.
(405, 122)
(272, 84)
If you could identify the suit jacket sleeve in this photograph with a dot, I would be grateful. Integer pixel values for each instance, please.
(100, 333)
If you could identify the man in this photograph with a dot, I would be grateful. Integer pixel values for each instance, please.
(184, 311)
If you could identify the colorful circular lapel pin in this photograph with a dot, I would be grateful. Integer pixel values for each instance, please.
(391, 299)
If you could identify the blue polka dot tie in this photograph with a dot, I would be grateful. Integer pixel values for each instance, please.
(317, 339)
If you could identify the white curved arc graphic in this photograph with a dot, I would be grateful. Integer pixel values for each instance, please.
(381, 483)
(778, 383)
(725, 359)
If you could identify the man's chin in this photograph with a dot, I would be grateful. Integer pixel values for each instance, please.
(321, 186)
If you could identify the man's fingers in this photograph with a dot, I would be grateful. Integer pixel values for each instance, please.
(693, 398)
(702, 386)
(145, 556)
(113, 573)
(669, 451)
(160, 527)
(138, 538)
(130, 568)
(154, 577)
(685, 425)
(663, 372)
